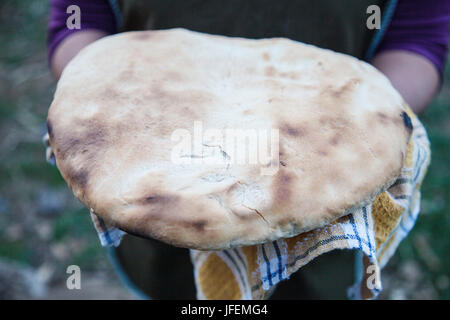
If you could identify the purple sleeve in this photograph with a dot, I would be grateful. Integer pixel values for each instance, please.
(95, 14)
(421, 27)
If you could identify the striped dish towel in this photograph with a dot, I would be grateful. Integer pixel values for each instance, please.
(375, 231)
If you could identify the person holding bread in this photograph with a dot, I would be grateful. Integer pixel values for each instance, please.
(410, 48)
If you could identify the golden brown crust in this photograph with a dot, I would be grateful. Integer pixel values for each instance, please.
(343, 135)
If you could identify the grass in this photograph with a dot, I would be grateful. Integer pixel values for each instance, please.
(26, 91)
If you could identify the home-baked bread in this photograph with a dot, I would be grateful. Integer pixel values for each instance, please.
(127, 106)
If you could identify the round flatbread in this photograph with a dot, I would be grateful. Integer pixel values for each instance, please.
(210, 142)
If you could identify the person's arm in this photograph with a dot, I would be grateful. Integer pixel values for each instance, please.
(414, 50)
(70, 46)
(414, 76)
(97, 20)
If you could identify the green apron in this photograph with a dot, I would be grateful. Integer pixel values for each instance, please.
(339, 25)
(161, 271)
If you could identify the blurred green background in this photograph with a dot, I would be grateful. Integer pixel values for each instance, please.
(44, 229)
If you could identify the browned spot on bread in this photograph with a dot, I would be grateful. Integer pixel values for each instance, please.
(381, 115)
(110, 93)
(155, 205)
(173, 76)
(401, 120)
(270, 71)
(154, 200)
(382, 118)
(282, 187)
(379, 150)
(283, 223)
(81, 146)
(266, 56)
(324, 120)
(339, 124)
(171, 101)
(402, 157)
(199, 225)
(233, 187)
(293, 131)
(78, 178)
(142, 35)
(290, 75)
(68, 148)
(88, 141)
(293, 75)
(330, 211)
(334, 141)
(346, 89)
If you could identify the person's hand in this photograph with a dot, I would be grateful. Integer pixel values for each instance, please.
(414, 76)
